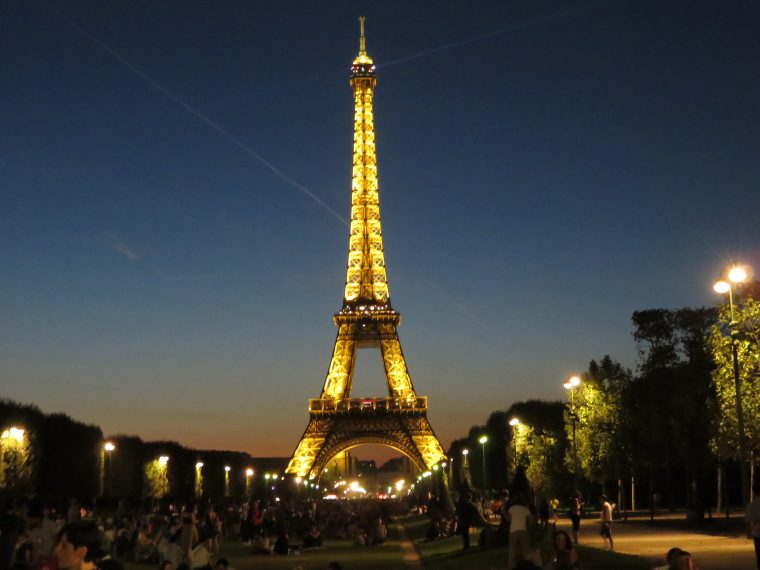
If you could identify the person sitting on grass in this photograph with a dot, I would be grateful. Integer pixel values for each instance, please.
(670, 559)
(312, 538)
(683, 561)
(261, 544)
(565, 555)
(282, 544)
(222, 564)
(79, 548)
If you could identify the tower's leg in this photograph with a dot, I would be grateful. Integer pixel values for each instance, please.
(339, 375)
(310, 447)
(396, 372)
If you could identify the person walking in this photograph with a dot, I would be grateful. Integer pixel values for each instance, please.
(753, 522)
(605, 519)
(576, 506)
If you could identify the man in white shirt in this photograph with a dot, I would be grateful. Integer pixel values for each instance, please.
(605, 517)
(519, 543)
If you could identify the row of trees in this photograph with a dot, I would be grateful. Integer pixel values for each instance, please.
(668, 431)
(54, 456)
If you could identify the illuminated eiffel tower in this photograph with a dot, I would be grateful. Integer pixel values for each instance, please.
(338, 422)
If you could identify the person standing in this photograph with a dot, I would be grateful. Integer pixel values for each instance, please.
(576, 506)
(467, 515)
(519, 542)
(605, 519)
(753, 522)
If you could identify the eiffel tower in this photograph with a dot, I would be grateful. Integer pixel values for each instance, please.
(338, 422)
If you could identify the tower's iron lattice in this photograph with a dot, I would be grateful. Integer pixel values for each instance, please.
(336, 421)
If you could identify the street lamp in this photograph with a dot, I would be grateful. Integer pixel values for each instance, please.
(248, 475)
(736, 274)
(572, 383)
(108, 447)
(482, 440)
(198, 479)
(514, 422)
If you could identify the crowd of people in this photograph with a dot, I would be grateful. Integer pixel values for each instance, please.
(34, 536)
(531, 534)
(178, 537)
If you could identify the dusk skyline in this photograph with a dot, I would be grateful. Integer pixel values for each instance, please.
(176, 184)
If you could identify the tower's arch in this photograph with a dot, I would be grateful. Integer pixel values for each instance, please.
(349, 443)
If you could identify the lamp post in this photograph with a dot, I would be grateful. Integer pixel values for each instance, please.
(199, 479)
(514, 422)
(427, 474)
(248, 475)
(571, 385)
(108, 447)
(736, 274)
(482, 440)
(12, 453)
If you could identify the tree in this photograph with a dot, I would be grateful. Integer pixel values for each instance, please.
(671, 395)
(747, 337)
(537, 453)
(539, 443)
(597, 407)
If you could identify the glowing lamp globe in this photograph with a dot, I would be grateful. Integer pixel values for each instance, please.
(722, 287)
(737, 274)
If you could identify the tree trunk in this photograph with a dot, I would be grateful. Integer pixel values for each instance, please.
(720, 488)
(726, 496)
(651, 496)
(620, 500)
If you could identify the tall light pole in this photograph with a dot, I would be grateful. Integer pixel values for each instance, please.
(483, 439)
(514, 422)
(736, 274)
(571, 385)
(465, 466)
(108, 447)
(199, 479)
(248, 476)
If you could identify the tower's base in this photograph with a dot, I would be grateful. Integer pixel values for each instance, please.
(401, 425)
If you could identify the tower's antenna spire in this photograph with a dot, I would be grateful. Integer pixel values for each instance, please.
(362, 45)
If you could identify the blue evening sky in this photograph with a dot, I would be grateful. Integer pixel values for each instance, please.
(175, 179)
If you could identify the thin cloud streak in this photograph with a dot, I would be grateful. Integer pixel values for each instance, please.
(495, 33)
(126, 251)
(198, 115)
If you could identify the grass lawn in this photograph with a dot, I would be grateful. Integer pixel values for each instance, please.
(447, 554)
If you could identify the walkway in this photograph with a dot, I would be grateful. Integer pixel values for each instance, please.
(728, 551)
(411, 555)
